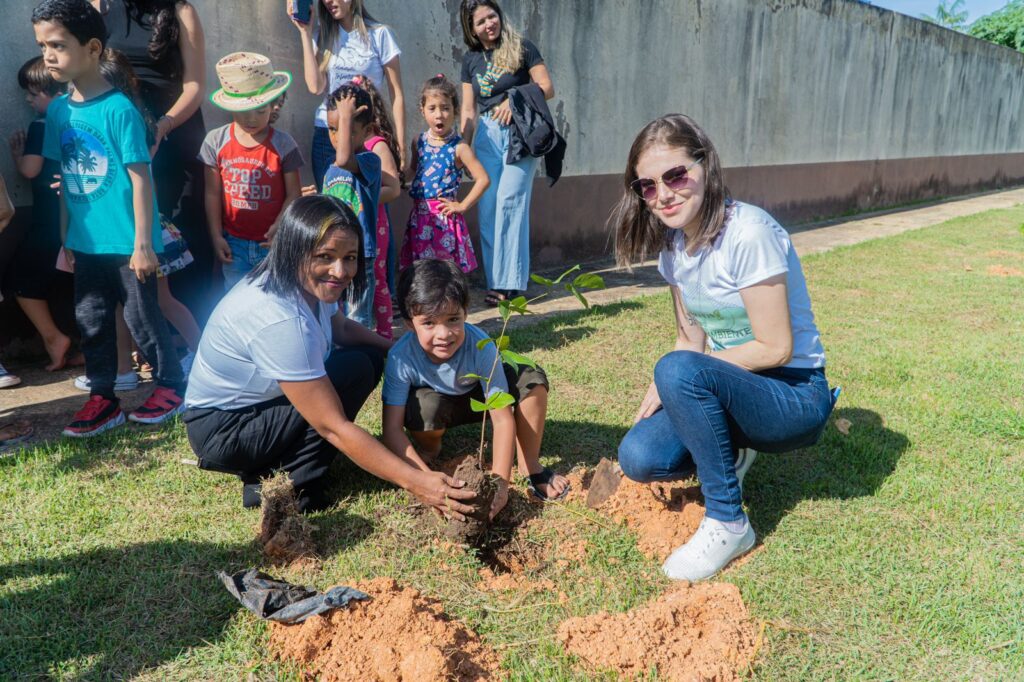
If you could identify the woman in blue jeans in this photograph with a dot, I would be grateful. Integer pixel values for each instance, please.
(737, 287)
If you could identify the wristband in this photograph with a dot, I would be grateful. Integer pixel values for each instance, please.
(169, 118)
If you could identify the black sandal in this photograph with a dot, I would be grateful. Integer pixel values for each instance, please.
(544, 478)
(494, 297)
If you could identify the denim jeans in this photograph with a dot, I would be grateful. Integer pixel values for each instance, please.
(504, 209)
(246, 254)
(710, 408)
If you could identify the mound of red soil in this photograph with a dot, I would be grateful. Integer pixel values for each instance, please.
(662, 521)
(397, 636)
(699, 632)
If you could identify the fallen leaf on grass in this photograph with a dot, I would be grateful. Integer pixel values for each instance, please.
(843, 426)
(968, 268)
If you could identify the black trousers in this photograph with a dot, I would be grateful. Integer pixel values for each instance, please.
(101, 282)
(254, 442)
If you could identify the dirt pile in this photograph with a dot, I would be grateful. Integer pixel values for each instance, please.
(285, 533)
(663, 516)
(397, 636)
(484, 484)
(698, 632)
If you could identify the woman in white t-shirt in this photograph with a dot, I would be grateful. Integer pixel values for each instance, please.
(269, 390)
(344, 42)
(737, 287)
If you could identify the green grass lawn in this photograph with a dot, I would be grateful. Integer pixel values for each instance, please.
(895, 552)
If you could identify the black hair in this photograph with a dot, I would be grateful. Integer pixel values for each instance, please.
(276, 106)
(301, 228)
(117, 70)
(441, 84)
(160, 17)
(34, 76)
(363, 99)
(77, 16)
(431, 286)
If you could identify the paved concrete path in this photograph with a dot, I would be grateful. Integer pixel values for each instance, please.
(49, 399)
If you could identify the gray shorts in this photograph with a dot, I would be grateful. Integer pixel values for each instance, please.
(428, 410)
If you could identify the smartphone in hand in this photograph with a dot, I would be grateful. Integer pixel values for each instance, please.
(301, 11)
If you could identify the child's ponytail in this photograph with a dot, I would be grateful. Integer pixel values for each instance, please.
(382, 123)
(117, 70)
(441, 85)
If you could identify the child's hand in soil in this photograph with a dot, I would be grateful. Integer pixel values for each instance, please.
(500, 498)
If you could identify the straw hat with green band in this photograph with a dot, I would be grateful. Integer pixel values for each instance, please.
(248, 81)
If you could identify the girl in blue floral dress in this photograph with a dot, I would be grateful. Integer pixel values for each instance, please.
(437, 228)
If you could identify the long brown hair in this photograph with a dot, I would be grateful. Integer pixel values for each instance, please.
(382, 123)
(508, 53)
(327, 32)
(638, 233)
(161, 16)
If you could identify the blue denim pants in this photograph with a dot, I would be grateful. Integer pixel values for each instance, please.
(710, 408)
(246, 254)
(504, 209)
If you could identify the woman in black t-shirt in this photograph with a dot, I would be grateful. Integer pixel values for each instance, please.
(499, 59)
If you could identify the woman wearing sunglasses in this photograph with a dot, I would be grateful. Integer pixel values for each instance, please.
(737, 287)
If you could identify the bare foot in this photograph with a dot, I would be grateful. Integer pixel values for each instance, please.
(553, 488)
(58, 351)
(14, 432)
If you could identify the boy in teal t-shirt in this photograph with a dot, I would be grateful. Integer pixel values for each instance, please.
(109, 220)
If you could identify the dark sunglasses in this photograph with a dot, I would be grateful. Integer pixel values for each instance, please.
(673, 178)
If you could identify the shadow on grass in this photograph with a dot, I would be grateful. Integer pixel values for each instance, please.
(558, 329)
(839, 467)
(112, 612)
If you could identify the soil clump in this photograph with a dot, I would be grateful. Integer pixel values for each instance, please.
(285, 533)
(399, 635)
(691, 633)
(484, 484)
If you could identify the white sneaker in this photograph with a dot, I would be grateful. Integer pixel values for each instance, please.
(7, 379)
(744, 458)
(708, 551)
(129, 381)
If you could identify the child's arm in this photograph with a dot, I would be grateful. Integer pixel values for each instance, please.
(465, 156)
(395, 440)
(215, 214)
(6, 207)
(28, 165)
(292, 191)
(390, 187)
(345, 156)
(143, 260)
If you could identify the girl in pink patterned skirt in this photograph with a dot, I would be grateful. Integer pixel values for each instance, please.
(437, 228)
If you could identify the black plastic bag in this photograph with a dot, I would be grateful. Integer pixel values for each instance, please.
(276, 600)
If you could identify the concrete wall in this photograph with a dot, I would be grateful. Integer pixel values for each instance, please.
(817, 106)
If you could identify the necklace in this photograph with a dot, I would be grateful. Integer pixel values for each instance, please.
(440, 140)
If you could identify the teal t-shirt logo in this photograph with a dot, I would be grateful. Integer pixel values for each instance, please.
(86, 162)
(726, 325)
(489, 79)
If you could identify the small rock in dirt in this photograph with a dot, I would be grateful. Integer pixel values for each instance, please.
(484, 484)
(605, 482)
(285, 533)
(843, 426)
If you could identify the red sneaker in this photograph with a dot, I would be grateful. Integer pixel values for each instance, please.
(98, 415)
(163, 404)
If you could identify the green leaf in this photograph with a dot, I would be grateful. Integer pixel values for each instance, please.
(588, 281)
(500, 400)
(474, 376)
(518, 304)
(505, 309)
(566, 274)
(503, 342)
(477, 406)
(543, 281)
(515, 359)
(483, 343)
(575, 292)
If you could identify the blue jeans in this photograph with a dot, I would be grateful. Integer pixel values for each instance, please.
(246, 254)
(710, 408)
(504, 209)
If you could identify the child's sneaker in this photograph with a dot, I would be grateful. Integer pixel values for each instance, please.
(744, 458)
(129, 381)
(99, 414)
(708, 551)
(7, 379)
(163, 404)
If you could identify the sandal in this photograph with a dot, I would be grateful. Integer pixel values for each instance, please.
(494, 297)
(14, 433)
(544, 478)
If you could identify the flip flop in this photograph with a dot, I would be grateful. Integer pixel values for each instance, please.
(21, 425)
(544, 478)
(493, 298)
